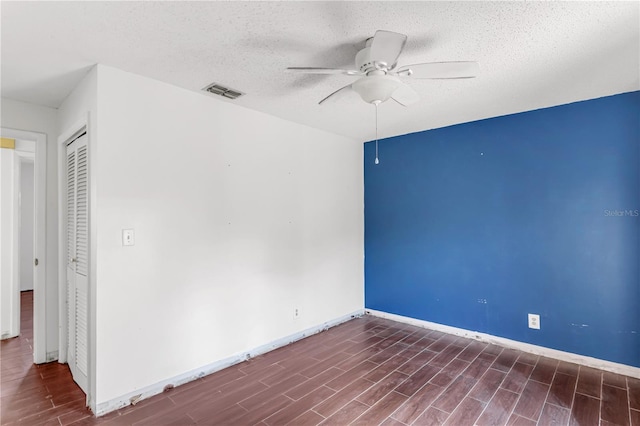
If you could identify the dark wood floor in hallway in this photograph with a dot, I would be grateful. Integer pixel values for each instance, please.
(368, 371)
(35, 394)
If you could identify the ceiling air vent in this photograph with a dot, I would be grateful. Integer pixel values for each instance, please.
(219, 90)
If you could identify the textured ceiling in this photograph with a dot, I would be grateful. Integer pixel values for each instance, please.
(531, 54)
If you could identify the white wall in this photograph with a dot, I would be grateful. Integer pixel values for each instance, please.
(24, 116)
(239, 217)
(26, 225)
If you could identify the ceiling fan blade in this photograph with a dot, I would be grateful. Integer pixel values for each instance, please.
(405, 95)
(311, 70)
(386, 47)
(440, 70)
(337, 93)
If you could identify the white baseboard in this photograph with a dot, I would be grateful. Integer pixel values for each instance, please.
(148, 391)
(613, 367)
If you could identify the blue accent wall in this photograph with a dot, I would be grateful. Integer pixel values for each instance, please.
(478, 224)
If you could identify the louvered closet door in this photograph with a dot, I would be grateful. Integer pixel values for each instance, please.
(78, 259)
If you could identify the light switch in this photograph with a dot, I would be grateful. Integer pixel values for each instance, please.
(128, 237)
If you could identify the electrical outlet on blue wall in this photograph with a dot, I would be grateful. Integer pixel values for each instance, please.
(513, 210)
(534, 321)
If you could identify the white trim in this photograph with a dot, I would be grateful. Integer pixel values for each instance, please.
(52, 356)
(40, 243)
(62, 241)
(588, 361)
(151, 390)
(77, 128)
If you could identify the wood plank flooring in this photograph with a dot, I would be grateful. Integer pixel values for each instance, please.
(30, 393)
(368, 371)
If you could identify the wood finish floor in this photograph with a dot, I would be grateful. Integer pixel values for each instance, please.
(368, 371)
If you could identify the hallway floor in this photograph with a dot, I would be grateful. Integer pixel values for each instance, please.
(35, 394)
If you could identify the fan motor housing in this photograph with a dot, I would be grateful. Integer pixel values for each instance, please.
(364, 63)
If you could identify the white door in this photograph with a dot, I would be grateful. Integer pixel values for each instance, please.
(78, 260)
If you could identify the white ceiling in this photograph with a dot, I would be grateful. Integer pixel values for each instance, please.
(531, 54)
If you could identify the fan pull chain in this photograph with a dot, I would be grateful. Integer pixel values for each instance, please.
(377, 161)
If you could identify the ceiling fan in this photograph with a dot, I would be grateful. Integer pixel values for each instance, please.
(381, 80)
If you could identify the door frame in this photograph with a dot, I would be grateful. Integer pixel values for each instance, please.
(64, 139)
(39, 247)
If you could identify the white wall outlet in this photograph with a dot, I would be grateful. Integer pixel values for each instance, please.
(534, 321)
(296, 313)
(128, 237)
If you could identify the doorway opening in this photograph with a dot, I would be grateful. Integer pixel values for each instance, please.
(22, 230)
(26, 236)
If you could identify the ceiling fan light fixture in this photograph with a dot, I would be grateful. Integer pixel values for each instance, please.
(376, 88)
(377, 62)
